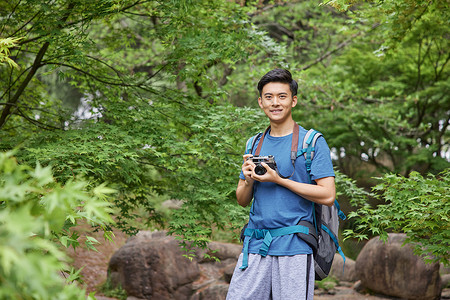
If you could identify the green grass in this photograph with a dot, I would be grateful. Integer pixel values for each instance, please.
(109, 290)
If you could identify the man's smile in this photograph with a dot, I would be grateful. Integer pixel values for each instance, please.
(276, 111)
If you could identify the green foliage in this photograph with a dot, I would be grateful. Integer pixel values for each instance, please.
(109, 290)
(418, 206)
(209, 186)
(5, 44)
(36, 214)
(149, 72)
(400, 17)
(327, 284)
(160, 82)
(388, 103)
(383, 105)
(347, 188)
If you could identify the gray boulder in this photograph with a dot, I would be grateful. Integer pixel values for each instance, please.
(152, 266)
(392, 269)
(341, 271)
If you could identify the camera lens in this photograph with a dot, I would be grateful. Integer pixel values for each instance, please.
(260, 170)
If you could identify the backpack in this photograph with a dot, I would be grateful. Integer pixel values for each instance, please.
(322, 235)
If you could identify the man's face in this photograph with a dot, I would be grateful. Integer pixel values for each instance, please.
(277, 102)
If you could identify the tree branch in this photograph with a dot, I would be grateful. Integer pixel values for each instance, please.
(329, 53)
(441, 134)
(227, 72)
(338, 47)
(106, 64)
(25, 24)
(30, 107)
(120, 10)
(35, 122)
(36, 65)
(443, 66)
(102, 80)
(14, 83)
(77, 22)
(9, 16)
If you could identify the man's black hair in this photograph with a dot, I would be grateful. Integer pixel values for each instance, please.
(278, 75)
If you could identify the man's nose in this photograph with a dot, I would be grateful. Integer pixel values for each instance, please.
(276, 101)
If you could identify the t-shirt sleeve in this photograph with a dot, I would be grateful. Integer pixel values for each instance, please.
(321, 165)
(250, 140)
(241, 175)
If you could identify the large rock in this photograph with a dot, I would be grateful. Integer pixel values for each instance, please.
(152, 266)
(392, 269)
(341, 271)
(215, 275)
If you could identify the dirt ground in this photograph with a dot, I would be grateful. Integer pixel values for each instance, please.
(95, 263)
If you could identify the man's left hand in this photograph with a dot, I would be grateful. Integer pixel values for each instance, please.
(270, 176)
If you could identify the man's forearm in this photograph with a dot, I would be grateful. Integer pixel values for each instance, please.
(244, 192)
(323, 193)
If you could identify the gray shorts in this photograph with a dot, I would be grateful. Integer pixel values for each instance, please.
(272, 277)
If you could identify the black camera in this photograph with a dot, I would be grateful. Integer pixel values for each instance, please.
(269, 160)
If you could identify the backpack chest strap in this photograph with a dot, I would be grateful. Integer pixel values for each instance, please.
(267, 236)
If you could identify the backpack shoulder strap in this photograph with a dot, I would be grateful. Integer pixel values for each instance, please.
(310, 140)
(251, 143)
(308, 147)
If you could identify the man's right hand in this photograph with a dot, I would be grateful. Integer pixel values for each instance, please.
(247, 168)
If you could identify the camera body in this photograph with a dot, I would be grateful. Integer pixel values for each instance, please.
(269, 160)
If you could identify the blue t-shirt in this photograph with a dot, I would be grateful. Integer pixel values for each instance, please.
(275, 206)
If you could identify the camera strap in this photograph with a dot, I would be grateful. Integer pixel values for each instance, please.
(294, 147)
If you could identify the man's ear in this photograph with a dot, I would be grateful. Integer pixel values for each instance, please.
(260, 102)
(294, 101)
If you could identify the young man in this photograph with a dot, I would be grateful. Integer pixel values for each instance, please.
(285, 269)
